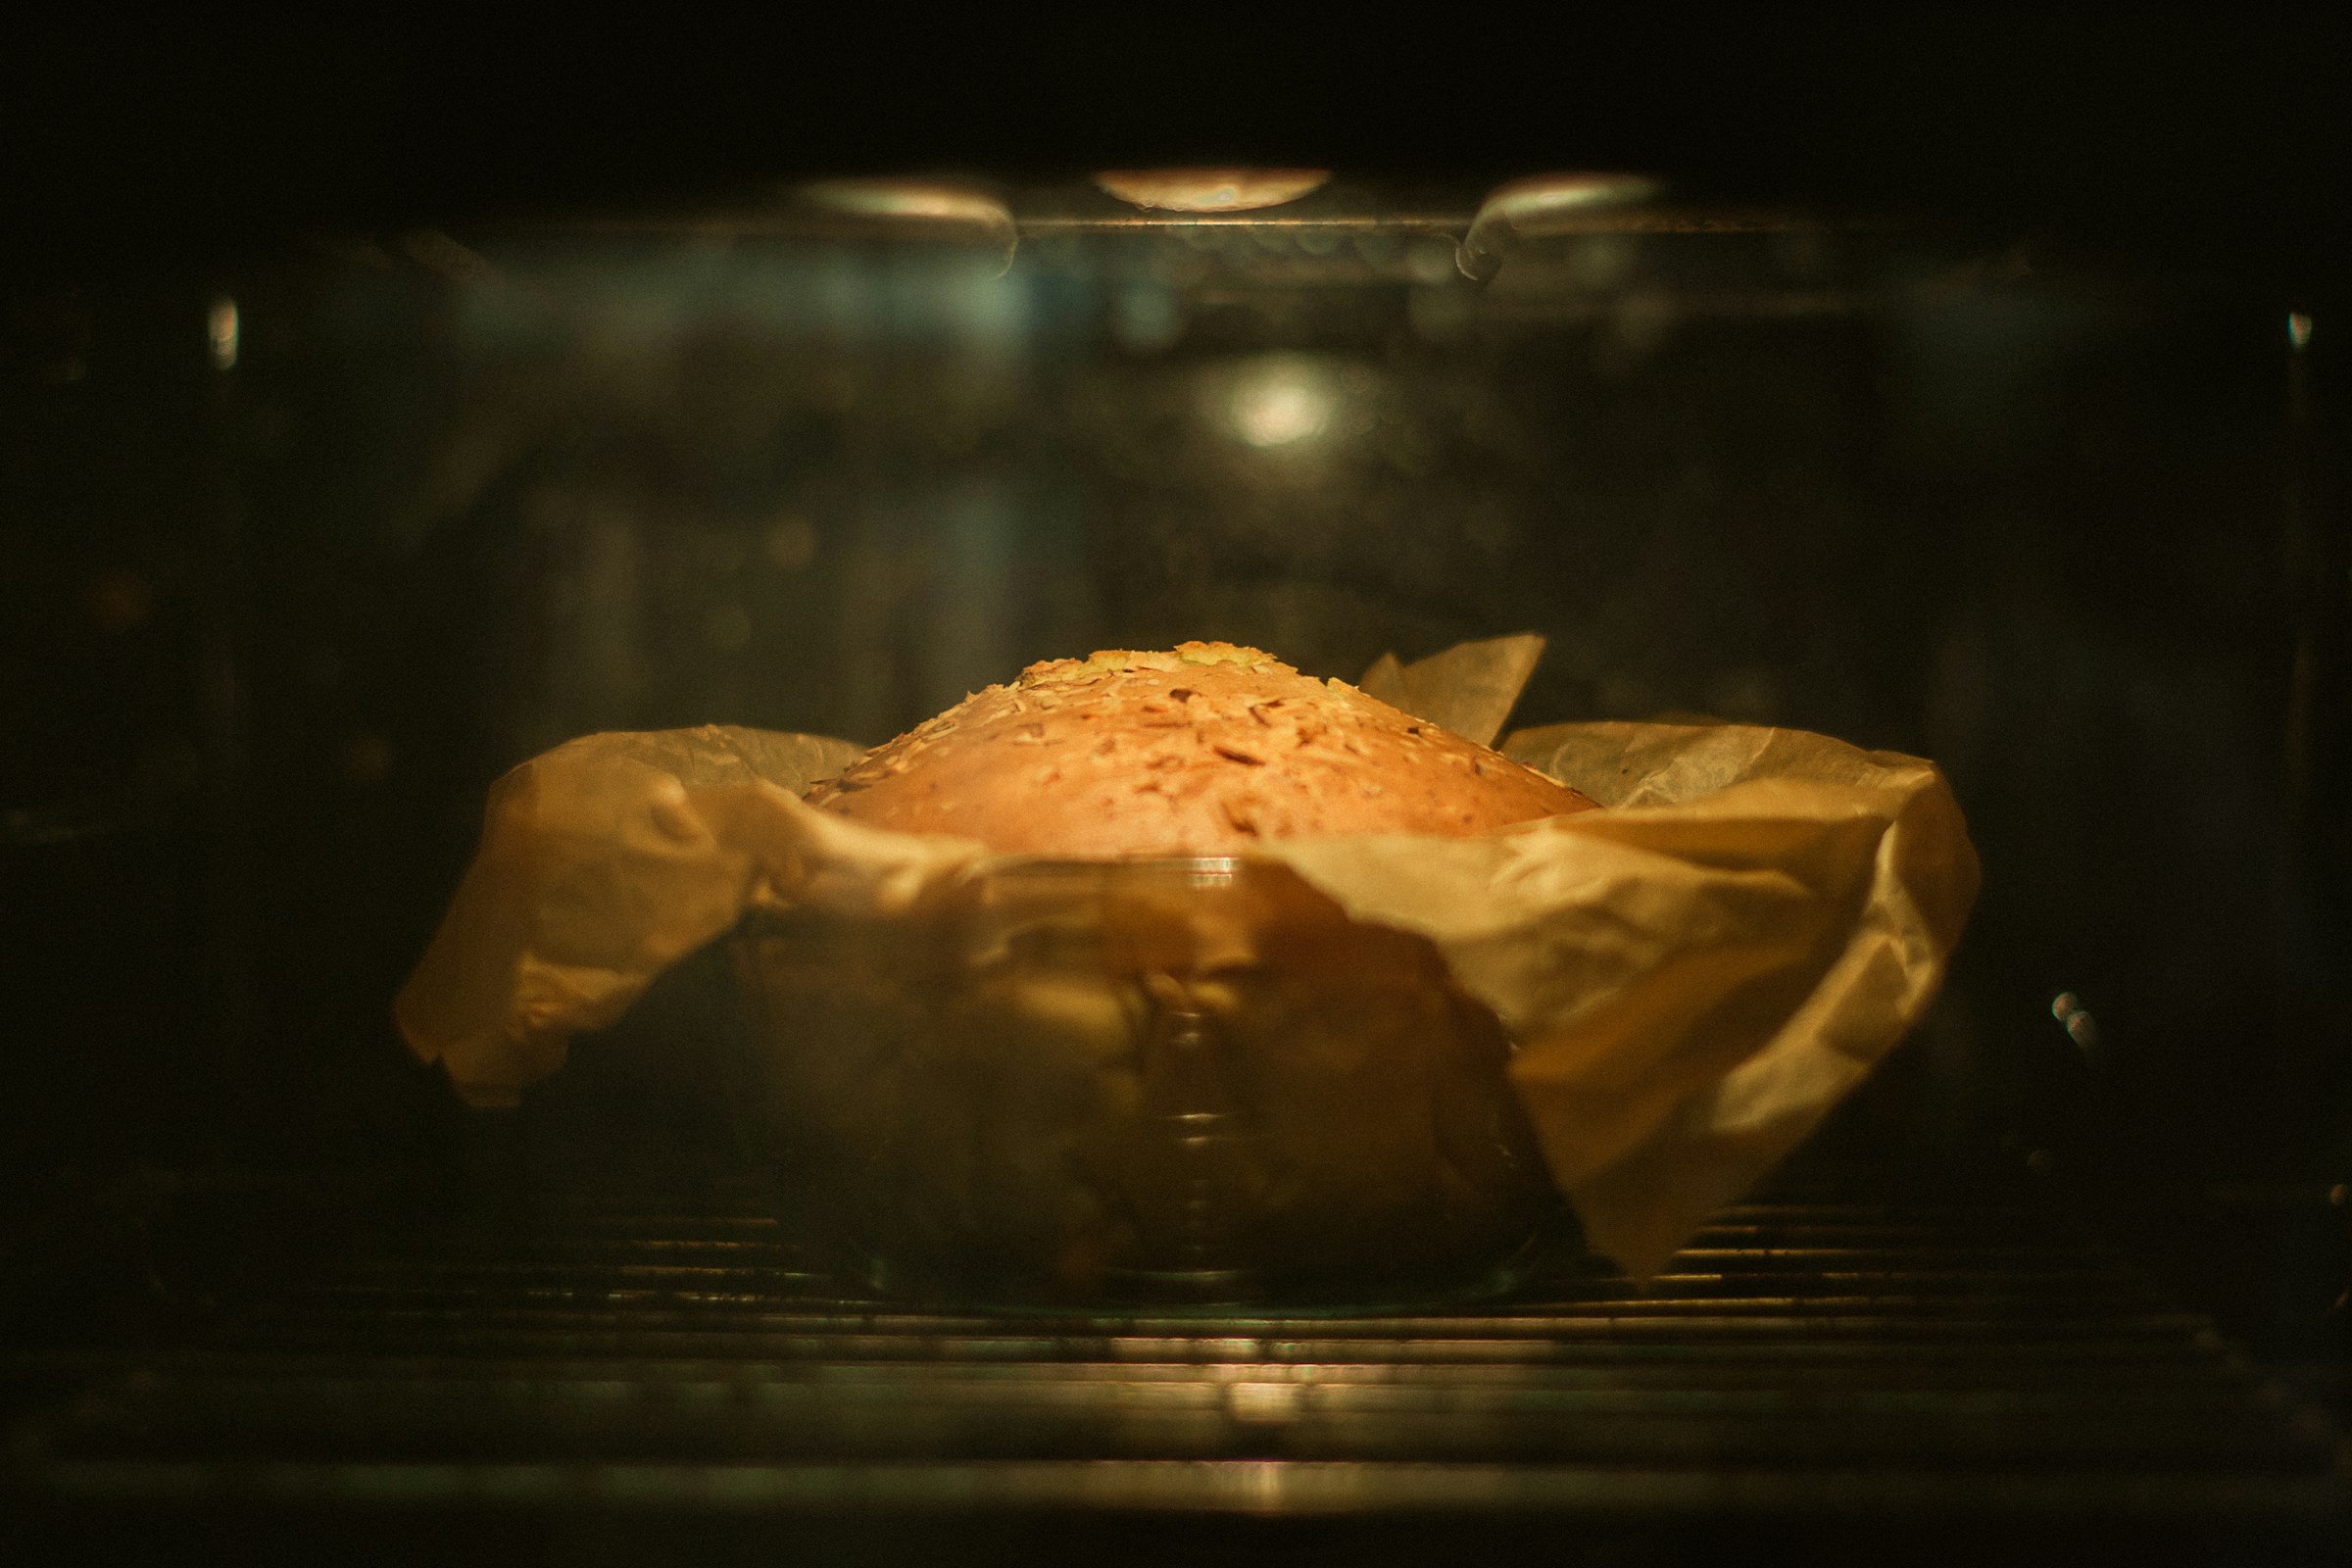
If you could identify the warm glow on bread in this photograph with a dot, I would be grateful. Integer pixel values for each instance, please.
(1205, 750)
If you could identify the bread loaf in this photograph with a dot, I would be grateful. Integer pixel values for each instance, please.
(1207, 749)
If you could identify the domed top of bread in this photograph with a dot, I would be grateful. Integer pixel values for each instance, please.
(1207, 749)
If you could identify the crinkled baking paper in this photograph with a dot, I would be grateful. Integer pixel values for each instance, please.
(1693, 976)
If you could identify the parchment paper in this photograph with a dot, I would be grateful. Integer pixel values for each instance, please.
(1469, 689)
(605, 860)
(1693, 977)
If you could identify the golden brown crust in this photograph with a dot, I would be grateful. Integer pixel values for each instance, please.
(1207, 749)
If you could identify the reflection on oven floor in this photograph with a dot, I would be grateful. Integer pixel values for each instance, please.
(1809, 1357)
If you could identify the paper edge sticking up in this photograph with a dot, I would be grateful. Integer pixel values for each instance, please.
(1469, 688)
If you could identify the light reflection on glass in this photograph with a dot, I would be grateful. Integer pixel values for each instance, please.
(1146, 318)
(1281, 404)
(1210, 190)
(2080, 1027)
(2298, 330)
(221, 332)
(1430, 261)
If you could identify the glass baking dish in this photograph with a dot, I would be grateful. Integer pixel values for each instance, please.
(1157, 1082)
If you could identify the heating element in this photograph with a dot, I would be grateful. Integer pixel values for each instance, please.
(1817, 1366)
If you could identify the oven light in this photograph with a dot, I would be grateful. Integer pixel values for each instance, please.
(942, 210)
(1210, 190)
(1280, 405)
(912, 200)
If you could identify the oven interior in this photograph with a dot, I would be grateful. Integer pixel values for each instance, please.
(303, 553)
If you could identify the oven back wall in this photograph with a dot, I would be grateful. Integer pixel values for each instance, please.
(2032, 522)
(457, 499)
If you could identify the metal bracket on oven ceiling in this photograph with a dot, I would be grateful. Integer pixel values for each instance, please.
(951, 212)
(1540, 207)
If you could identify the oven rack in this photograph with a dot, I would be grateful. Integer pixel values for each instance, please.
(1817, 1369)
